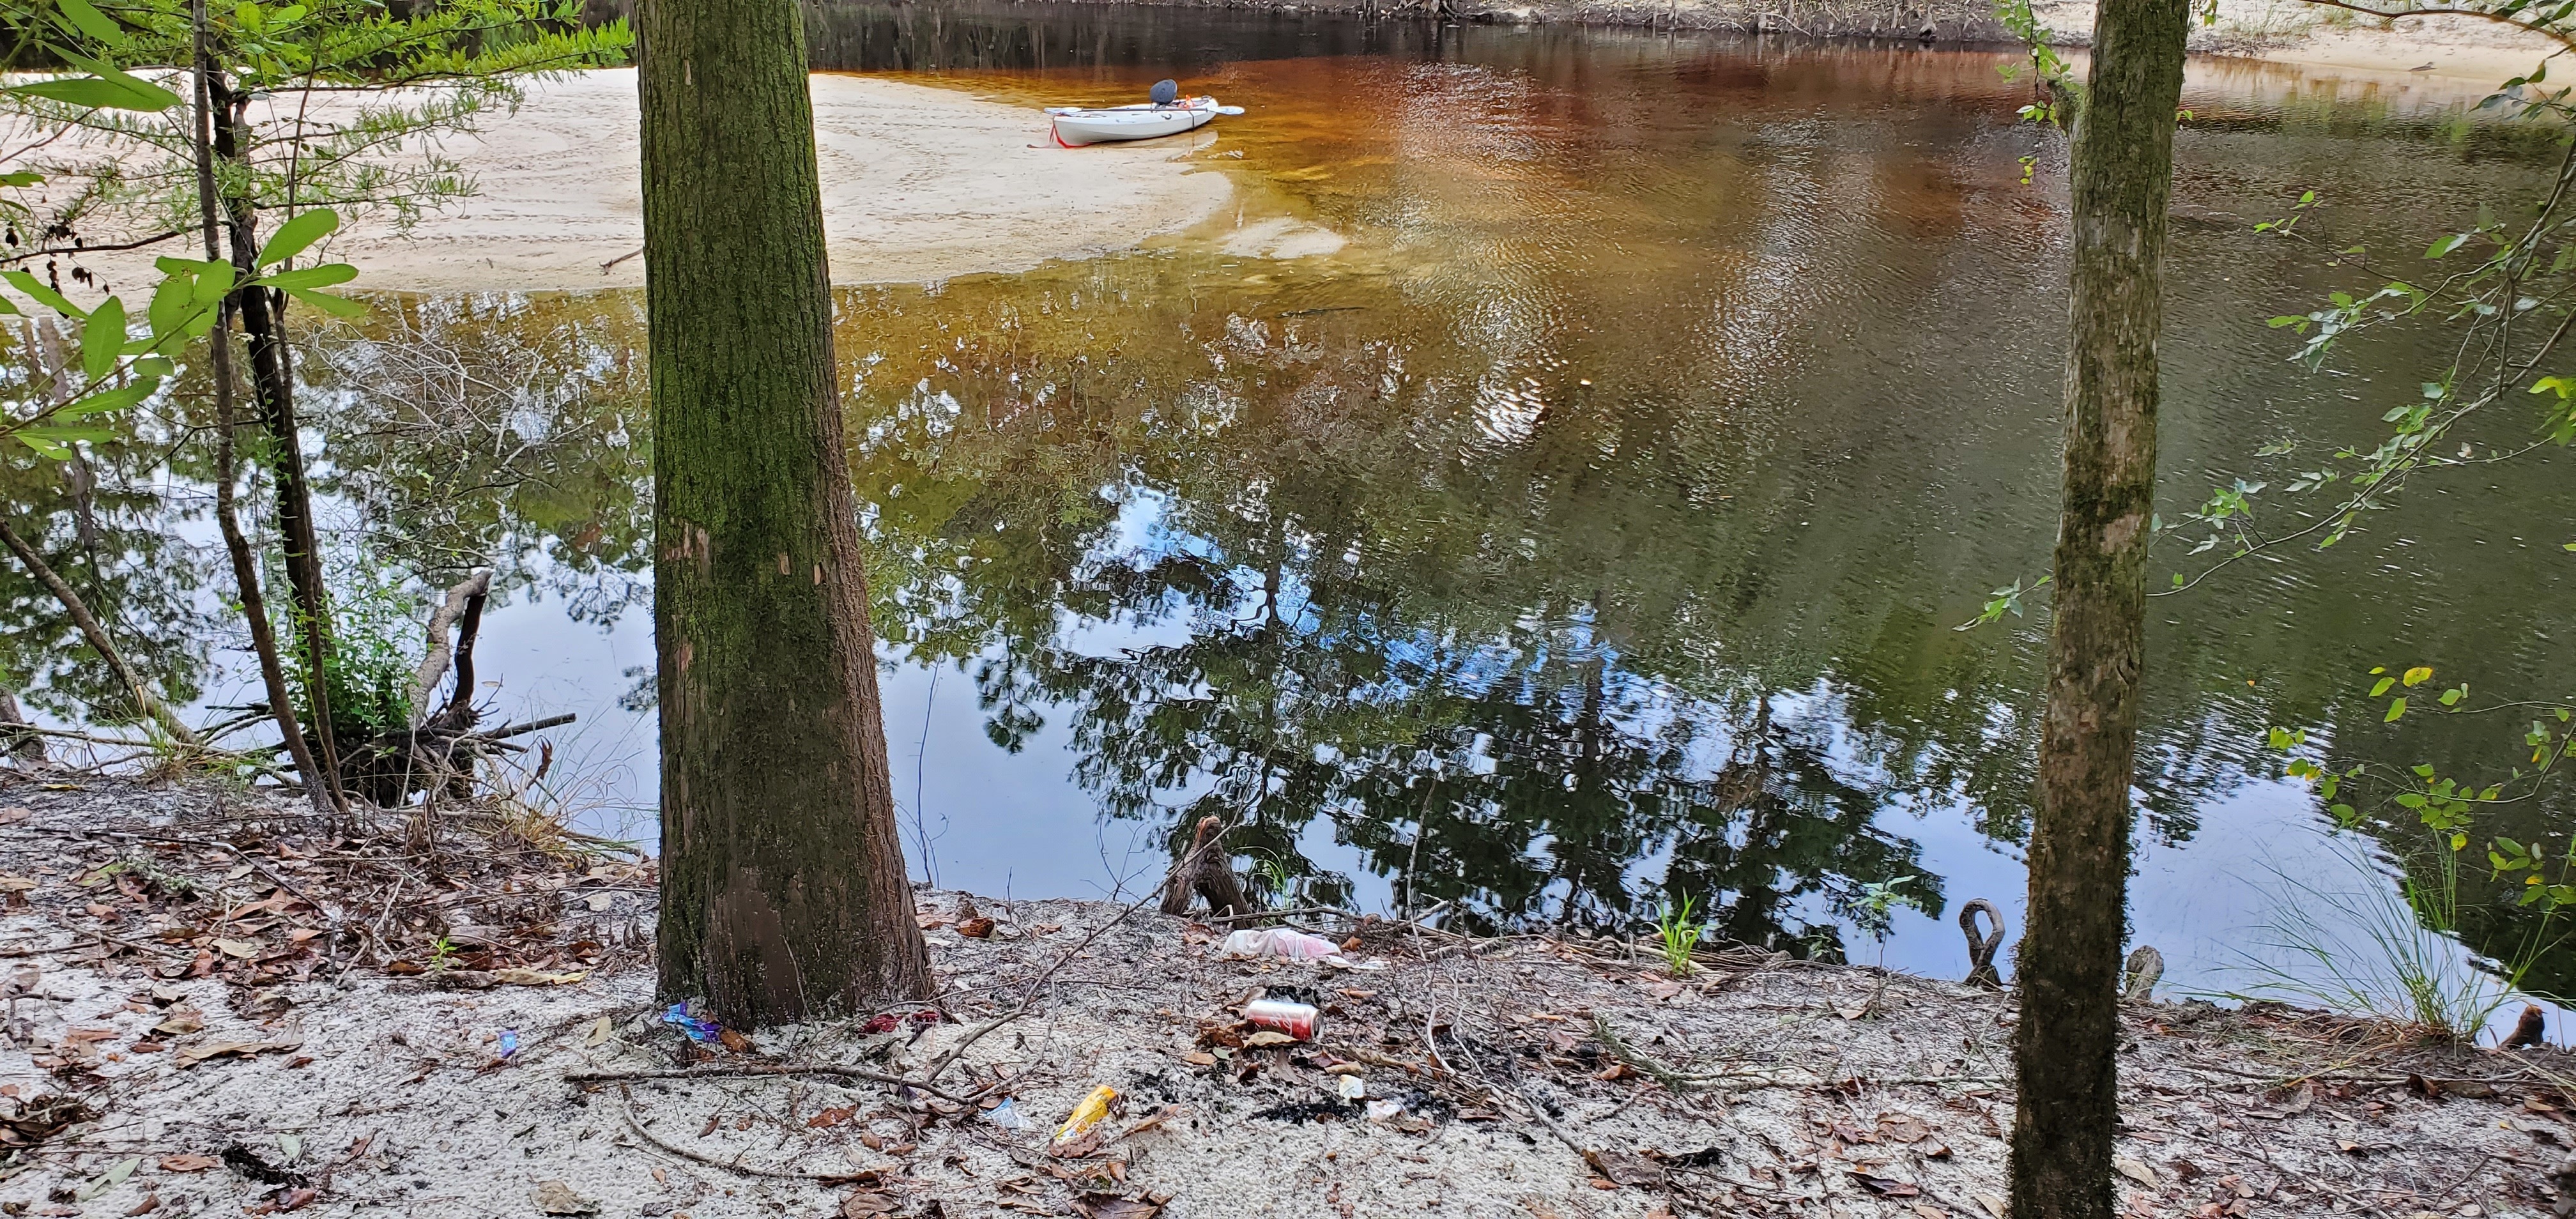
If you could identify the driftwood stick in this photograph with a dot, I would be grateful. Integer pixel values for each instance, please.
(741, 1070)
(435, 665)
(150, 704)
(627, 1106)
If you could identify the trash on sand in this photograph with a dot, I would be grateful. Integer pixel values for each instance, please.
(1354, 1088)
(1385, 1110)
(1295, 1019)
(1087, 1114)
(509, 1042)
(1007, 1116)
(698, 1030)
(1278, 942)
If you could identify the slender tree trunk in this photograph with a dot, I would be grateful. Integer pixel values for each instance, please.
(2069, 968)
(272, 379)
(321, 786)
(147, 703)
(784, 895)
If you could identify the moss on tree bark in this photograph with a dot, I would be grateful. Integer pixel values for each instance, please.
(2068, 972)
(784, 896)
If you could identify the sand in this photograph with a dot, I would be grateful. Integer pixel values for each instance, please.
(919, 184)
(2469, 50)
(1534, 1077)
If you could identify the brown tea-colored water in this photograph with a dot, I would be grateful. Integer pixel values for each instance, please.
(1552, 487)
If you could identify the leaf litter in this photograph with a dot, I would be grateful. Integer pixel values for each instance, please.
(329, 1070)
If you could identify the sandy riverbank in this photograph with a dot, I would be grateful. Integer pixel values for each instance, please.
(918, 184)
(215, 1009)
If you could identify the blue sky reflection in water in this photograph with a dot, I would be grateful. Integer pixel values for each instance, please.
(1588, 527)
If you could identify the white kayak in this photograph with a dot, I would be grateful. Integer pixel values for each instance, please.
(1079, 125)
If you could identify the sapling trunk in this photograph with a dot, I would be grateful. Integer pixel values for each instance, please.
(272, 380)
(2068, 972)
(321, 786)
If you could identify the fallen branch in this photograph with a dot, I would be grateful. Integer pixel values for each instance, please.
(749, 1069)
(441, 654)
(626, 1106)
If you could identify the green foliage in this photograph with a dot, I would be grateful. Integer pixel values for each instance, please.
(1677, 935)
(2363, 945)
(132, 174)
(376, 648)
(1874, 907)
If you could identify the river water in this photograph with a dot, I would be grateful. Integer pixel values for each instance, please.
(1553, 487)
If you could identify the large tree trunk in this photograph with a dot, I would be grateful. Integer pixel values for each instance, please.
(2069, 968)
(784, 895)
(272, 381)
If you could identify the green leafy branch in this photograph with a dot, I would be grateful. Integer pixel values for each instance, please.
(117, 370)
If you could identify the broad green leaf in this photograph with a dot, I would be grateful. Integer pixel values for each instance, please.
(336, 306)
(103, 339)
(2419, 675)
(92, 22)
(10, 307)
(292, 237)
(144, 94)
(2446, 245)
(213, 282)
(42, 446)
(110, 400)
(311, 277)
(2396, 707)
(2382, 686)
(22, 178)
(155, 367)
(44, 295)
(170, 303)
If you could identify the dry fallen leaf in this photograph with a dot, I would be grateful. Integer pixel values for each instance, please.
(1097, 1205)
(1886, 1187)
(600, 1030)
(734, 1041)
(975, 928)
(530, 977)
(237, 948)
(1993, 1204)
(1924, 1210)
(1267, 1037)
(1199, 1058)
(831, 1117)
(1626, 1168)
(188, 1163)
(2136, 1170)
(1902, 1128)
(865, 1204)
(14, 814)
(557, 1198)
(190, 1056)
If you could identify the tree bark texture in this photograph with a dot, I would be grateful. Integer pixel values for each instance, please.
(784, 896)
(272, 382)
(2069, 968)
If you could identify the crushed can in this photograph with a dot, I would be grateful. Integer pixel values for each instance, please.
(1295, 1019)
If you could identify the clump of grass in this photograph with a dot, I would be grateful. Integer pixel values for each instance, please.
(1678, 935)
(2383, 947)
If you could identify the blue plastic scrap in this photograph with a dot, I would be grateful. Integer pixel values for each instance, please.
(698, 1030)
